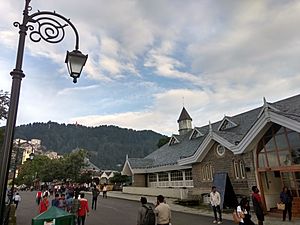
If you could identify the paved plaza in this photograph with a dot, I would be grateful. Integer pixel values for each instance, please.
(120, 208)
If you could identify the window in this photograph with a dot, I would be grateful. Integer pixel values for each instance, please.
(176, 175)
(227, 124)
(220, 150)
(242, 170)
(239, 169)
(188, 174)
(279, 147)
(207, 172)
(163, 176)
(152, 177)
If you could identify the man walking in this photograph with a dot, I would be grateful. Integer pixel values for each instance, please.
(17, 199)
(215, 201)
(146, 214)
(162, 211)
(95, 194)
(83, 209)
(258, 206)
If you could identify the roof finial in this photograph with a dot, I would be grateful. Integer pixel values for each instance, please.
(182, 101)
(265, 101)
(210, 126)
(126, 157)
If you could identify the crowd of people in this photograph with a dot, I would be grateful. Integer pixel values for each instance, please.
(69, 198)
(242, 211)
(72, 199)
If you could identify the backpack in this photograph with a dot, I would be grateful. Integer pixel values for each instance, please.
(149, 218)
(236, 217)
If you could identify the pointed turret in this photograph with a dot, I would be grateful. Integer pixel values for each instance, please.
(185, 122)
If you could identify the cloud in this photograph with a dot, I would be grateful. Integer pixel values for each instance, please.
(222, 57)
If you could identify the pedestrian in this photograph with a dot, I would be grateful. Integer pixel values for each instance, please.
(44, 204)
(55, 201)
(104, 190)
(162, 211)
(243, 211)
(286, 198)
(95, 194)
(62, 202)
(46, 192)
(17, 199)
(258, 206)
(215, 201)
(38, 197)
(75, 207)
(83, 209)
(69, 201)
(146, 214)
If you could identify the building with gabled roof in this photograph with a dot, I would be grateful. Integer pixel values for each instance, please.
(259, 147)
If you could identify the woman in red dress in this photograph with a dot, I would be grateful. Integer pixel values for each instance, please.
(44, 204)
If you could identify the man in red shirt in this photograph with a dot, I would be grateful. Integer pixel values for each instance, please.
(83, 209)
(258, 205)
(39, 196)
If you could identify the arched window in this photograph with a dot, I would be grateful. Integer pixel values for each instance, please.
(207, 172)
(239, 169)
(279, 147)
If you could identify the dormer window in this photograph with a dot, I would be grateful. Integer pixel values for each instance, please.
(195, 134)
(227, 124)
(173, 140)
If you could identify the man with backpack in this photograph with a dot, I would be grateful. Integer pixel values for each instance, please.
(146, 214)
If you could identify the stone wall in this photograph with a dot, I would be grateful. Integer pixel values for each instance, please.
(225, 164)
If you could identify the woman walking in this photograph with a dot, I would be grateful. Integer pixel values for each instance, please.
(286, 198)
(243, 211)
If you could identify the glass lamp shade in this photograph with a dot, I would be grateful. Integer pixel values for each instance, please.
(75, 61)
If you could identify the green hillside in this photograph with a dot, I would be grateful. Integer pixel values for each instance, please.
(107, 145)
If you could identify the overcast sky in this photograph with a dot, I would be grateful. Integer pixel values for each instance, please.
(148, 58)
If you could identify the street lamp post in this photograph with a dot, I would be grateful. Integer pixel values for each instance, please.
(42, 25)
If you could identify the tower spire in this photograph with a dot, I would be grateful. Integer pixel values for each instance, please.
(185, 122)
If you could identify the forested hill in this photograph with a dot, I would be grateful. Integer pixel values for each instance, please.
(107, 145)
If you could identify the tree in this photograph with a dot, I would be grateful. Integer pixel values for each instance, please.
(163, 141)
(118, 178)
(47, 170)
(73, 163)
(4, 104)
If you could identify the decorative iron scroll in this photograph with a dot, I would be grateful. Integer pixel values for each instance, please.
(48, 29)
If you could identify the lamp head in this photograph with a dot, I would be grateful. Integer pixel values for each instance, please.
(75, 61)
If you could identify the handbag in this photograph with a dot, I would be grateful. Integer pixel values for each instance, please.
(281, 206)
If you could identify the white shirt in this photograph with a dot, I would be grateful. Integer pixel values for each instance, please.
(215, 198)
(163, 213)
(17, 198)
(239, 210)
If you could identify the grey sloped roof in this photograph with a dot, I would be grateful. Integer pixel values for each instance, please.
(289, 107)
(136, 163)
(244, 123)
(170, 154)
(184, 115)
(89, 165)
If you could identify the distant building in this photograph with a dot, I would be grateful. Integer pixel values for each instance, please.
(90, 166)
(52, 155)
(258, 147)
